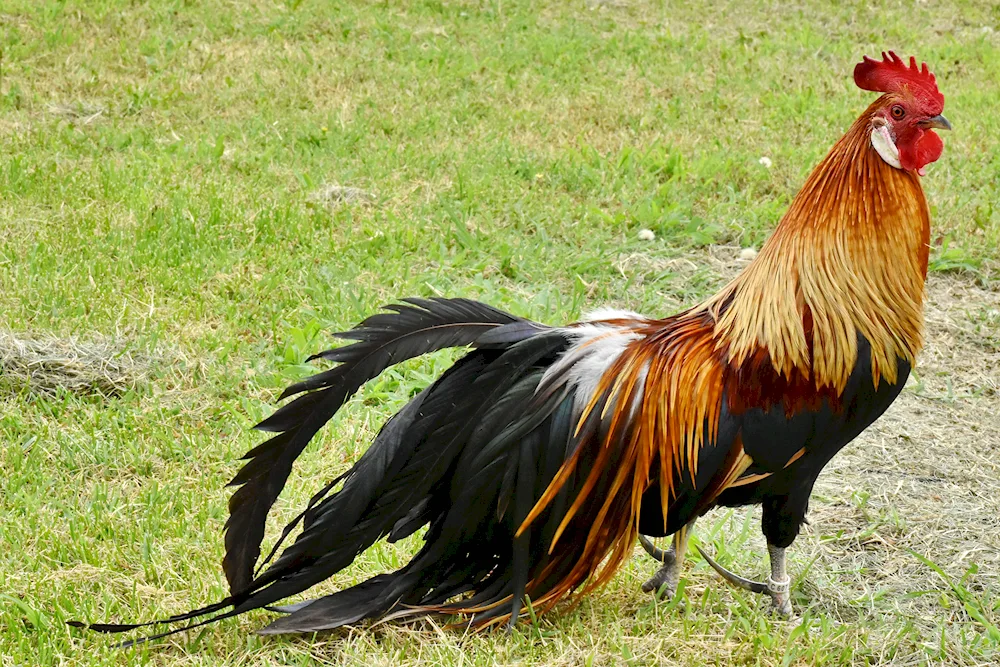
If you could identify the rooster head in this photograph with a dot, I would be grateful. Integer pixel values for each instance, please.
(903, 123)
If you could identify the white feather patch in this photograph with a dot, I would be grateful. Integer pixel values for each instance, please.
(587, 372)
(885, 146)
(596, 346)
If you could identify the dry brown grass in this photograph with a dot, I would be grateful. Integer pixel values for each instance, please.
(99, 366)
(333, 196)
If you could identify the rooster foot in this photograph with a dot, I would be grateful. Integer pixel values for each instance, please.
(664, 582)
(775, 588)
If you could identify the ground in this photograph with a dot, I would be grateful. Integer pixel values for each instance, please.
(193, 193)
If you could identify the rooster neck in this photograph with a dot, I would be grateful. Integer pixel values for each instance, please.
(848, 258)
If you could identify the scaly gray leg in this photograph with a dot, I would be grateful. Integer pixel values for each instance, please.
(776, 587)
(779, 583)
(669, 574)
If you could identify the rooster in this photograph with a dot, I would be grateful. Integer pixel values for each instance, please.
(538, 459)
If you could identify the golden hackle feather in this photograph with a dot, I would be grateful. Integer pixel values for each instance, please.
(849, 257)
(852, 249)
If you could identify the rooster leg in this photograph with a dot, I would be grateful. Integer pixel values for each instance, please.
(669, 574)
(778, 584)
(776, 587)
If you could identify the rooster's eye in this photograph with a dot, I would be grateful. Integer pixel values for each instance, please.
(898, 112)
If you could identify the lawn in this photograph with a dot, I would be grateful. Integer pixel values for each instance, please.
(193, 193)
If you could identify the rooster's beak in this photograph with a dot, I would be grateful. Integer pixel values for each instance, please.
(938, 122)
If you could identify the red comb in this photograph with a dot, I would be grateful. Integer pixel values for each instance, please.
(892, 75)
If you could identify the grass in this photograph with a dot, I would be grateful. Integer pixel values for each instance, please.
(218, 183)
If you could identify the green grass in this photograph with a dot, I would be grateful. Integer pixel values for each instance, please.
(159, 183)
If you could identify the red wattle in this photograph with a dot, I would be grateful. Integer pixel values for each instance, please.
(920, 152)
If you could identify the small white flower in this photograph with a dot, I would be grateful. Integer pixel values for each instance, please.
(748, 253)
(766, 161)
(646, 235)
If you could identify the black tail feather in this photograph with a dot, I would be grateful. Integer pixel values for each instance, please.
(417, 327)
(467, 457)
(450, 466)
(365, 600)
(291, 525)
(524, 501)
(460, 408)
(114, 628)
